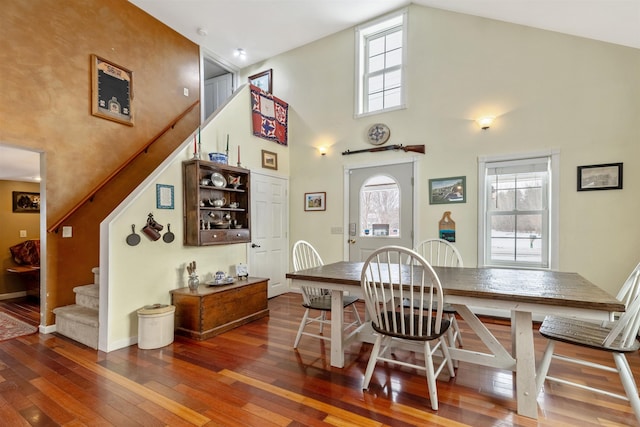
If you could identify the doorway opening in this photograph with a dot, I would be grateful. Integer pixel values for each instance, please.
(24, 226)
(219, 80)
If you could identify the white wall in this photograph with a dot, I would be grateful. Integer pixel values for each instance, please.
(144, 274)
(549, 91)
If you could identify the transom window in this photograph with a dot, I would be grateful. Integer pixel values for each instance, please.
(380, 207)
(381, 58)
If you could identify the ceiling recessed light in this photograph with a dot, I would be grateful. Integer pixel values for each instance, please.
(202, 31)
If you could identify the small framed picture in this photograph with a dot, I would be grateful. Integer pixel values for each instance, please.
(269, 160)
(164, 196)
(448, 190)
(600, 177)
(263, 80)
(111, 91)
(26, 202)
(315, 201)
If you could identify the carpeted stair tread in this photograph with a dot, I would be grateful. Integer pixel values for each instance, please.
(89, 290)
(78, 313)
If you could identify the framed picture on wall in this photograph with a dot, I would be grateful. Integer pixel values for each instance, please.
(600, 177)
(164, 196)
(263, 80)
(315, 201)
(269, 160)
(26, 202)
(111, 91)
(448, 190)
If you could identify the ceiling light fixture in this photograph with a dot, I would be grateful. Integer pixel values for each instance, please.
(485, 122)
(240, 53)
(202, 32)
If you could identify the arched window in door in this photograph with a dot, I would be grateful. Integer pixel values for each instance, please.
(380, 207)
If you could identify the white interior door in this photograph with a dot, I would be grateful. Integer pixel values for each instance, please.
(268, 252)
(216, 92)
(381, 208)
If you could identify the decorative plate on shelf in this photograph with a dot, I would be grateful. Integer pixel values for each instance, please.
(218, 180)
(378, 134)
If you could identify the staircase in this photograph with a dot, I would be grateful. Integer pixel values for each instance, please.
(80, 320)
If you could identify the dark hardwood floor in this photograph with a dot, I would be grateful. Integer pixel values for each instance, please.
(26, 309)
(251, 376)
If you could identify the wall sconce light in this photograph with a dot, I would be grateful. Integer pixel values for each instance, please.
(323, 151)
(485, 122)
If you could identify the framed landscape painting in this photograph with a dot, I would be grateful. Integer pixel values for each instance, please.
(448, 190)
(600, 177)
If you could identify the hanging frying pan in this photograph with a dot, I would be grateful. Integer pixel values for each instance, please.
(168, 236)
(133, 238)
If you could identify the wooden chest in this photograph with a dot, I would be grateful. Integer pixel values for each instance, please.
(213, 310)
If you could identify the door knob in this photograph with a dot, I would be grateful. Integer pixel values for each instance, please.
(253, 245)
(352, 241)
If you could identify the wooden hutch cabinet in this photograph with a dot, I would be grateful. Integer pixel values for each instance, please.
(216, 203)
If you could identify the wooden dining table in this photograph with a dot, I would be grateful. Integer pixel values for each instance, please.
(521, 292)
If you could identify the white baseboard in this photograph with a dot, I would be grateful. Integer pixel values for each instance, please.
(47, 329)
(12, 295)
(126, 342)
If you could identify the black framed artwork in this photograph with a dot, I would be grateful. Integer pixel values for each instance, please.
(600, 177)
(26, 202)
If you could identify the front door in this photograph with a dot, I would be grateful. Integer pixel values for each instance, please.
(380, 208)
(268, 252)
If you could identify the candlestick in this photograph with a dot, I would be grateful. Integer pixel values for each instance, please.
(227, 151)
(195, 147)
(199, 144)
(239, 165)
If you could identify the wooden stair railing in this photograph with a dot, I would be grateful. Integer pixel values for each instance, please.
(126, 163)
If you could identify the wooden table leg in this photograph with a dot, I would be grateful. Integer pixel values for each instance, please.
(522, 331)
(337, 322)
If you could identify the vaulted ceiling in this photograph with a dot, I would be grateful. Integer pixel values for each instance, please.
(265, 28)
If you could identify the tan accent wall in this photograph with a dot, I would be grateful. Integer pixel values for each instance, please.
(45, 105)
(12, 224)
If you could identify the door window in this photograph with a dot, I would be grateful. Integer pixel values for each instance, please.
(380, 207)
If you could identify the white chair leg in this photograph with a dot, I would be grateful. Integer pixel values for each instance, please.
(451, 337)
(456, 330)
(629, 384)
(431, 377)
(373, 359)
(445, 353)
(543, 368)
(323, 317)
(355, 313)
(303, 323)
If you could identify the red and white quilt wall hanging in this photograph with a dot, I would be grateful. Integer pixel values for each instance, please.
(269, 116)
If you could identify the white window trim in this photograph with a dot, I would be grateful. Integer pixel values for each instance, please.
(554, 203)
(361, 32)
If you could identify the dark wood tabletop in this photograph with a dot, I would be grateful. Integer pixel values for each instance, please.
(520, 285)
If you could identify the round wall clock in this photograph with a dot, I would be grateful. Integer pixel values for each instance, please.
(378, 134)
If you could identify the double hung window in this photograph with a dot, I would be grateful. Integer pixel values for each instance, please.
(518, 215)
(381, 53)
